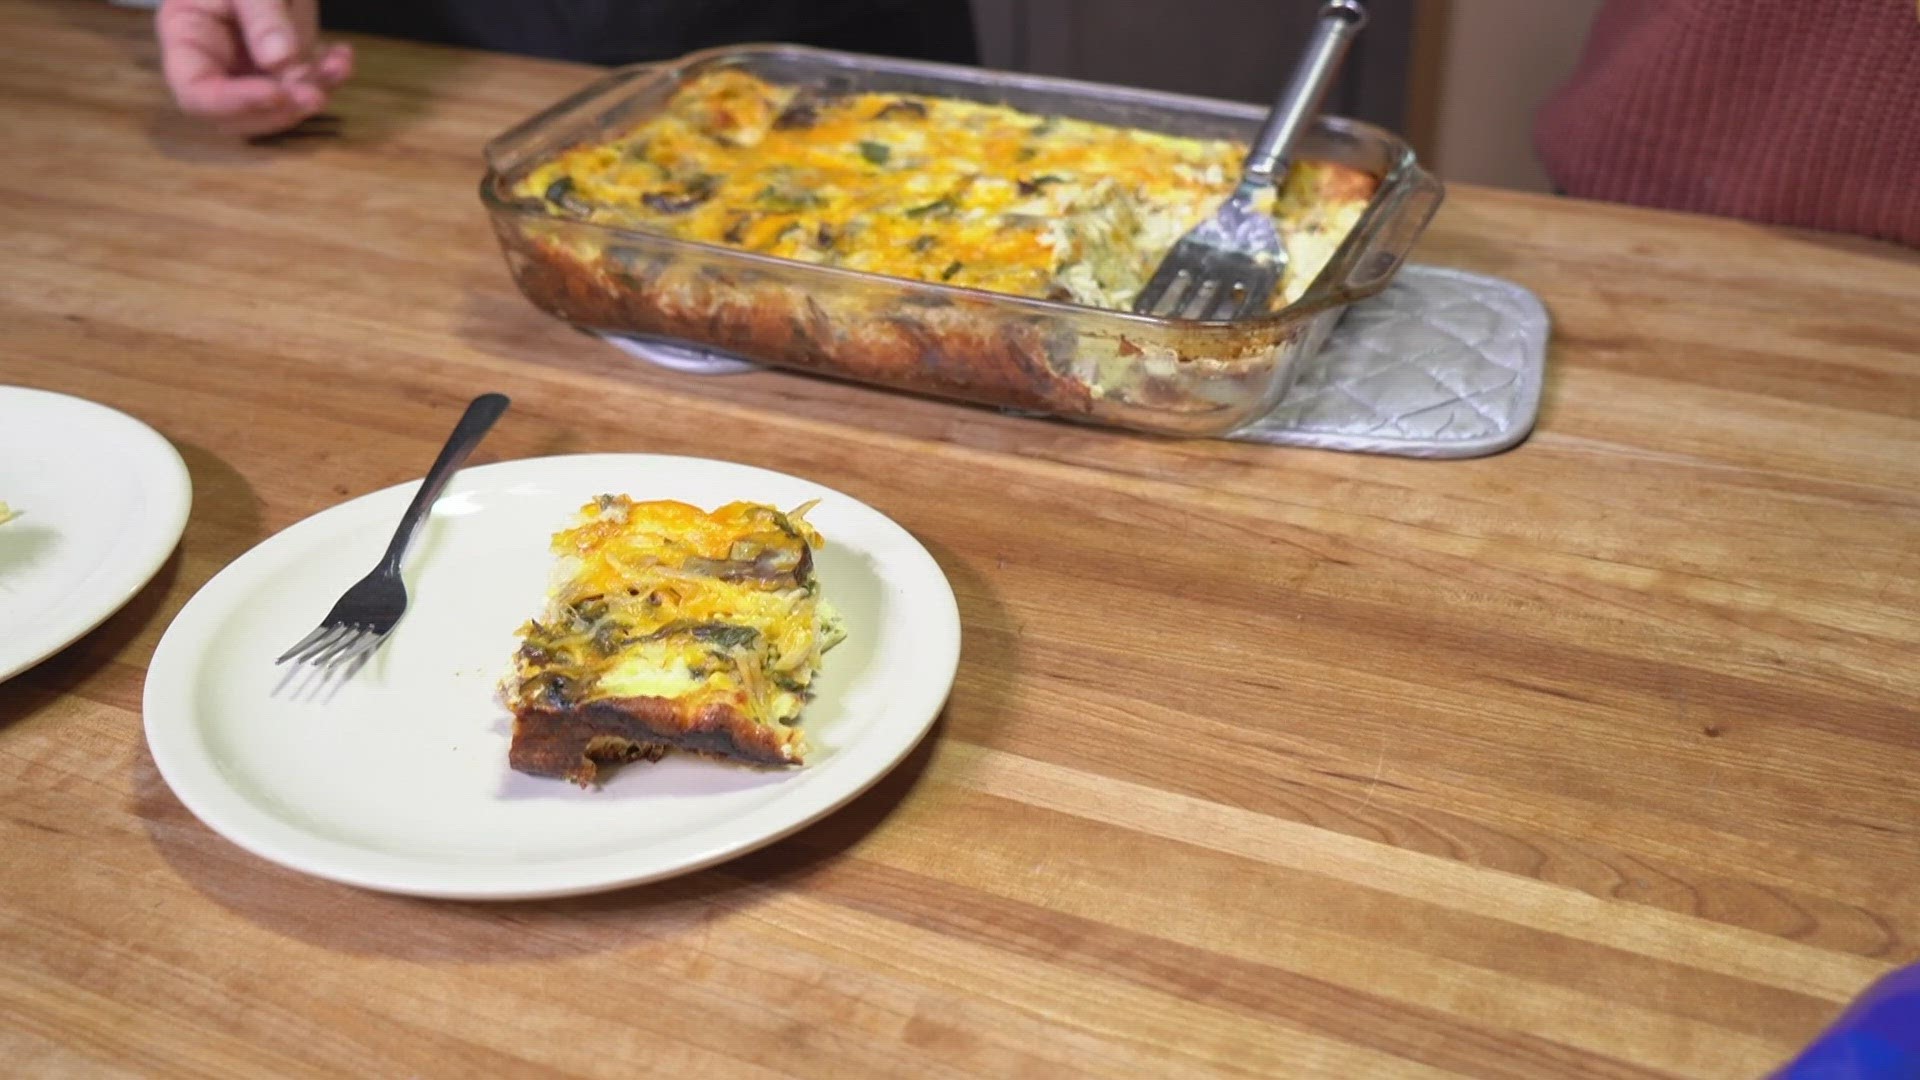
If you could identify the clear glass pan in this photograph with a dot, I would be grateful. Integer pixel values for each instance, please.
(1169, 376)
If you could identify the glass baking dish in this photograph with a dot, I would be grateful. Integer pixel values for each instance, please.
(1171, 376)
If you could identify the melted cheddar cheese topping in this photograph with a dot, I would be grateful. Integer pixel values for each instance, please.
(665, 600)
(932, 189)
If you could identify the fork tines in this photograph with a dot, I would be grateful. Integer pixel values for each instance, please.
(1206, 285)
(333, 644)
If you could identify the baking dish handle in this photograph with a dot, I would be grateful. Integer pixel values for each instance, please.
(514, 145)
(1416, 195)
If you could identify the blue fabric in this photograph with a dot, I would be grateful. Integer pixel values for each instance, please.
(1877, 1038)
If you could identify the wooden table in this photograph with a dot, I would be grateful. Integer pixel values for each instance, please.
(1593, 758)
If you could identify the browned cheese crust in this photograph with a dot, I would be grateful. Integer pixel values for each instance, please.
(573, 743)
(945, 351)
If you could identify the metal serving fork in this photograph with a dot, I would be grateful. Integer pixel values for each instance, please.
(1231, 261)
(367, 612)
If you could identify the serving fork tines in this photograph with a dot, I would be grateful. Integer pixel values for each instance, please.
(1230, 263)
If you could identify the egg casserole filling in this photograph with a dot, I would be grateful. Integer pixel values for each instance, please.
(933, 189)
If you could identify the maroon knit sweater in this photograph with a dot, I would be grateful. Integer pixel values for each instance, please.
(1791, 112)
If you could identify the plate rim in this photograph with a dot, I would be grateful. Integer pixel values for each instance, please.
(193, 773)
(171, 501)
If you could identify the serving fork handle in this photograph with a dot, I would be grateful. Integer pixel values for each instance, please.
(473, 426)
(1338, 23)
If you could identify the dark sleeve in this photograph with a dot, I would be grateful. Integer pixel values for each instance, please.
(628, 31)
(1876, 1038)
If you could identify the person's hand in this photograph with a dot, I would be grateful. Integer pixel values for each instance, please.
(250, 67)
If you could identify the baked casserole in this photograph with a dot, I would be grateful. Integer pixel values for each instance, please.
(669, 627)
(955, 232)
(933, 189)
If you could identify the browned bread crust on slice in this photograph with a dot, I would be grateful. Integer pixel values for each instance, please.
(572, 743)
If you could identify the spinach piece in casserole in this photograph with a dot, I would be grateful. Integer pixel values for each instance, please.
(941, 205)
(560, 193)
(800, 114)
(902, 107)
(788, 202)
(875, 153)
(1038, 184)
(805, 107)
(696, 191)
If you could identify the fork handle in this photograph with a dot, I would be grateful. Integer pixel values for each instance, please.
(473, 426)
(1339, 22)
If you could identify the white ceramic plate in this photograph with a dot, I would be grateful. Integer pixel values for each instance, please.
(102, 499)
(397, 779)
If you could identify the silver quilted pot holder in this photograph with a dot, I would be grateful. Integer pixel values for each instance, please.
(1443, 364)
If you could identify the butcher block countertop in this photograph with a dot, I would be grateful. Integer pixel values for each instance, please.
(1599, 757)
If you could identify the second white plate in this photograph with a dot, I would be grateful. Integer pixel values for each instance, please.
(102, 499)
(398, 781)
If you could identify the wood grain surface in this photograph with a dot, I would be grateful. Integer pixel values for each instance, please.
(1595, 758)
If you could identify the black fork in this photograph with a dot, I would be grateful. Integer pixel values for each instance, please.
(368, 612)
